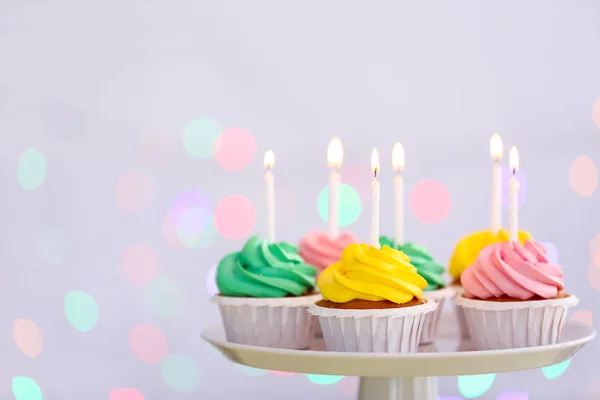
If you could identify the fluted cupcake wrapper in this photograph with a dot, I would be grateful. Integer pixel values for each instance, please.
(432, 320)
(281, 323)
(460, 313)
(394, 330)
(509, 325)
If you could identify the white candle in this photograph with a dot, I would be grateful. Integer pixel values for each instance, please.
(398, 165)
(375, 200)
(513, 222)
(335, 156)
(269, 162)
(496, 151)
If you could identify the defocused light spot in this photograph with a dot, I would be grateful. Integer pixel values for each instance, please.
(181, 372)
(234, 149)
(200, 135)
(148, 343)
(583, 176)
(170, 234)
(81, 310)
(475, 385)
(430, 201)
(350, 205)
(250, 371)
(556, 370)
(521, 178)
(139, 263)
(195, 228)
(596, 112)
(584, 316)
(50, 245)
(235, 217)
(211, 281)
(125, 394)
(25, 388)
(28, 337)
(135, 192)
(324, 379)
(513, 396)
(594, 276)
(349, 386)
(166, 296)
(281, 373)
(32, 169)
(552, 252)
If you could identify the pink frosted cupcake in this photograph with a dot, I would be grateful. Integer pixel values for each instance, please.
(514, 297)
(320, 250)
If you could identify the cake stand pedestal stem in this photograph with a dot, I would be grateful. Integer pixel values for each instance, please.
(398, 388)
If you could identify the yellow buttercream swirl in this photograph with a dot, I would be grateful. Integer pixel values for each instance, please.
(468, 248)
(372, 274)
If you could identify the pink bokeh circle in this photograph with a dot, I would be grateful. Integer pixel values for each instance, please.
(148, 343)
(28, 337)
(235, 217)
(135, 192)
(349, 386)
(593, 274)
(140, 263)
(583, 176)
(234, 149)
(125, 394)
(281, 373)
(169, 233)
(584, 316)
(430, 201)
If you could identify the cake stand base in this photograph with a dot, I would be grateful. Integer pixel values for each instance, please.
(400, 388)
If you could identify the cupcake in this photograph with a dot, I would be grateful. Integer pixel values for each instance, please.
(513, 297)
(434, 275)
(372, 302)
(320, 250)
(465, 253)
(264, 293)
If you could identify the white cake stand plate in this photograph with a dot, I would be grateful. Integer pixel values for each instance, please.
(404, 376)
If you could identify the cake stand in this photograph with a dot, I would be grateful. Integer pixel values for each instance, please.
(405, 376)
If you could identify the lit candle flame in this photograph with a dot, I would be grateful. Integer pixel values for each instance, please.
(269, 159)
(513, 159)
(496, 148)
(374, 162)
(398, 157)
(335, 153)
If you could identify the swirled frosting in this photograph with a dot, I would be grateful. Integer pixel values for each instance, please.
(514, 270)
(422, 260)
(264, 269)
(468, 248)
(372, 274)
(321, 250)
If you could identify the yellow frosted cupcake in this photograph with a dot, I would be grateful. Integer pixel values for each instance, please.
(372, 302)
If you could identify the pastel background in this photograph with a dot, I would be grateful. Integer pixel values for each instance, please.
(132, 135)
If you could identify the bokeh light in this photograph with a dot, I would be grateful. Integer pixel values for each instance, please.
(349, 386)
(513, 396)
(281, 373)
(250, 371)
(25, 388)
(235, 217)
(583, 176)
(556, 370)
(211, 281)
(125, 394)
(50, 245)
(148, 343)
(596, 112)
(28, 337)
(135, 192)
(180, 372)
(350, 205)
(584, 316)
(430, 201)
(165, 296)
(81, 310)
(521, 178)
(593, 273)
(32, 169)
(196, 228)
(169, 233)
(324, 379)
(475, 385)
(552, 252)
(140, 263)
(234, 149)
(200, 135)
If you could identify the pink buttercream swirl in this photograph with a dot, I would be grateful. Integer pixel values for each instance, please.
(321, 250)
(513, 270)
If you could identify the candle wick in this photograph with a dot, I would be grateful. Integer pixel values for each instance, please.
(514, 171)
(375, 172)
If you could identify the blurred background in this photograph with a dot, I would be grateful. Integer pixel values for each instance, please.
(131, 143)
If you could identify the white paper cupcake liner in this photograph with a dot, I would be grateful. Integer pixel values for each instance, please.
(274, 322)
(460, 314)
(393, 330)
(432, 320)
(508, 325)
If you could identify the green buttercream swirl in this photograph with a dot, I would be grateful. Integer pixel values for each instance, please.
(264, 269)
(422, 260)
